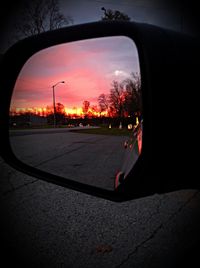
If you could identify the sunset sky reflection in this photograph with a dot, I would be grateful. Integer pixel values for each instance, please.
(88, 68)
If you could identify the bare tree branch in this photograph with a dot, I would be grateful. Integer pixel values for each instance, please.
(39, 16)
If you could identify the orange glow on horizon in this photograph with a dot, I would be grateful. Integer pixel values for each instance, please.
(44, 112)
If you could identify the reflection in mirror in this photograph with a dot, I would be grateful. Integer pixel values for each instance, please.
(76, 111)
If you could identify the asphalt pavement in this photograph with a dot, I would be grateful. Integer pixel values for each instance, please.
(91, 159)
(44, 225)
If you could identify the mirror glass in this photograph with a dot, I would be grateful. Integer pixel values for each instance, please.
(76, 111)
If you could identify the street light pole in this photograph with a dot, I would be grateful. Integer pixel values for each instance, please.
(54, 103)
(54, 108)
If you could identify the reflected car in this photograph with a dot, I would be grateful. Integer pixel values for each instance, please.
(133, 147)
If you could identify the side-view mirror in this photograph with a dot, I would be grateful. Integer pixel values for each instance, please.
(101, 108)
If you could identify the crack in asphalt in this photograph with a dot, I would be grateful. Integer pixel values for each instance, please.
(11, 173)
(68, 151)
(157, 209)
(58, 156)
(162, 197)
(9, 180)
(18, 187)
(153, 234)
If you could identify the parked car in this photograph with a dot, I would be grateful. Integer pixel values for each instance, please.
(133, 147)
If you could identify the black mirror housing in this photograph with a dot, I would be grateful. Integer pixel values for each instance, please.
(168, 65)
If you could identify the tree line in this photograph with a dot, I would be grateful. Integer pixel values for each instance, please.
(122, 101)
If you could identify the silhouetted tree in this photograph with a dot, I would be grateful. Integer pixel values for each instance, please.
(110, 15)
(132, 93)
(103, 102)
(85, 107)
(117, 98)
(60, 108)
(39, 16)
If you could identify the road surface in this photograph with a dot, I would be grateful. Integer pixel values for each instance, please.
(87, 158)
(45, 225)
